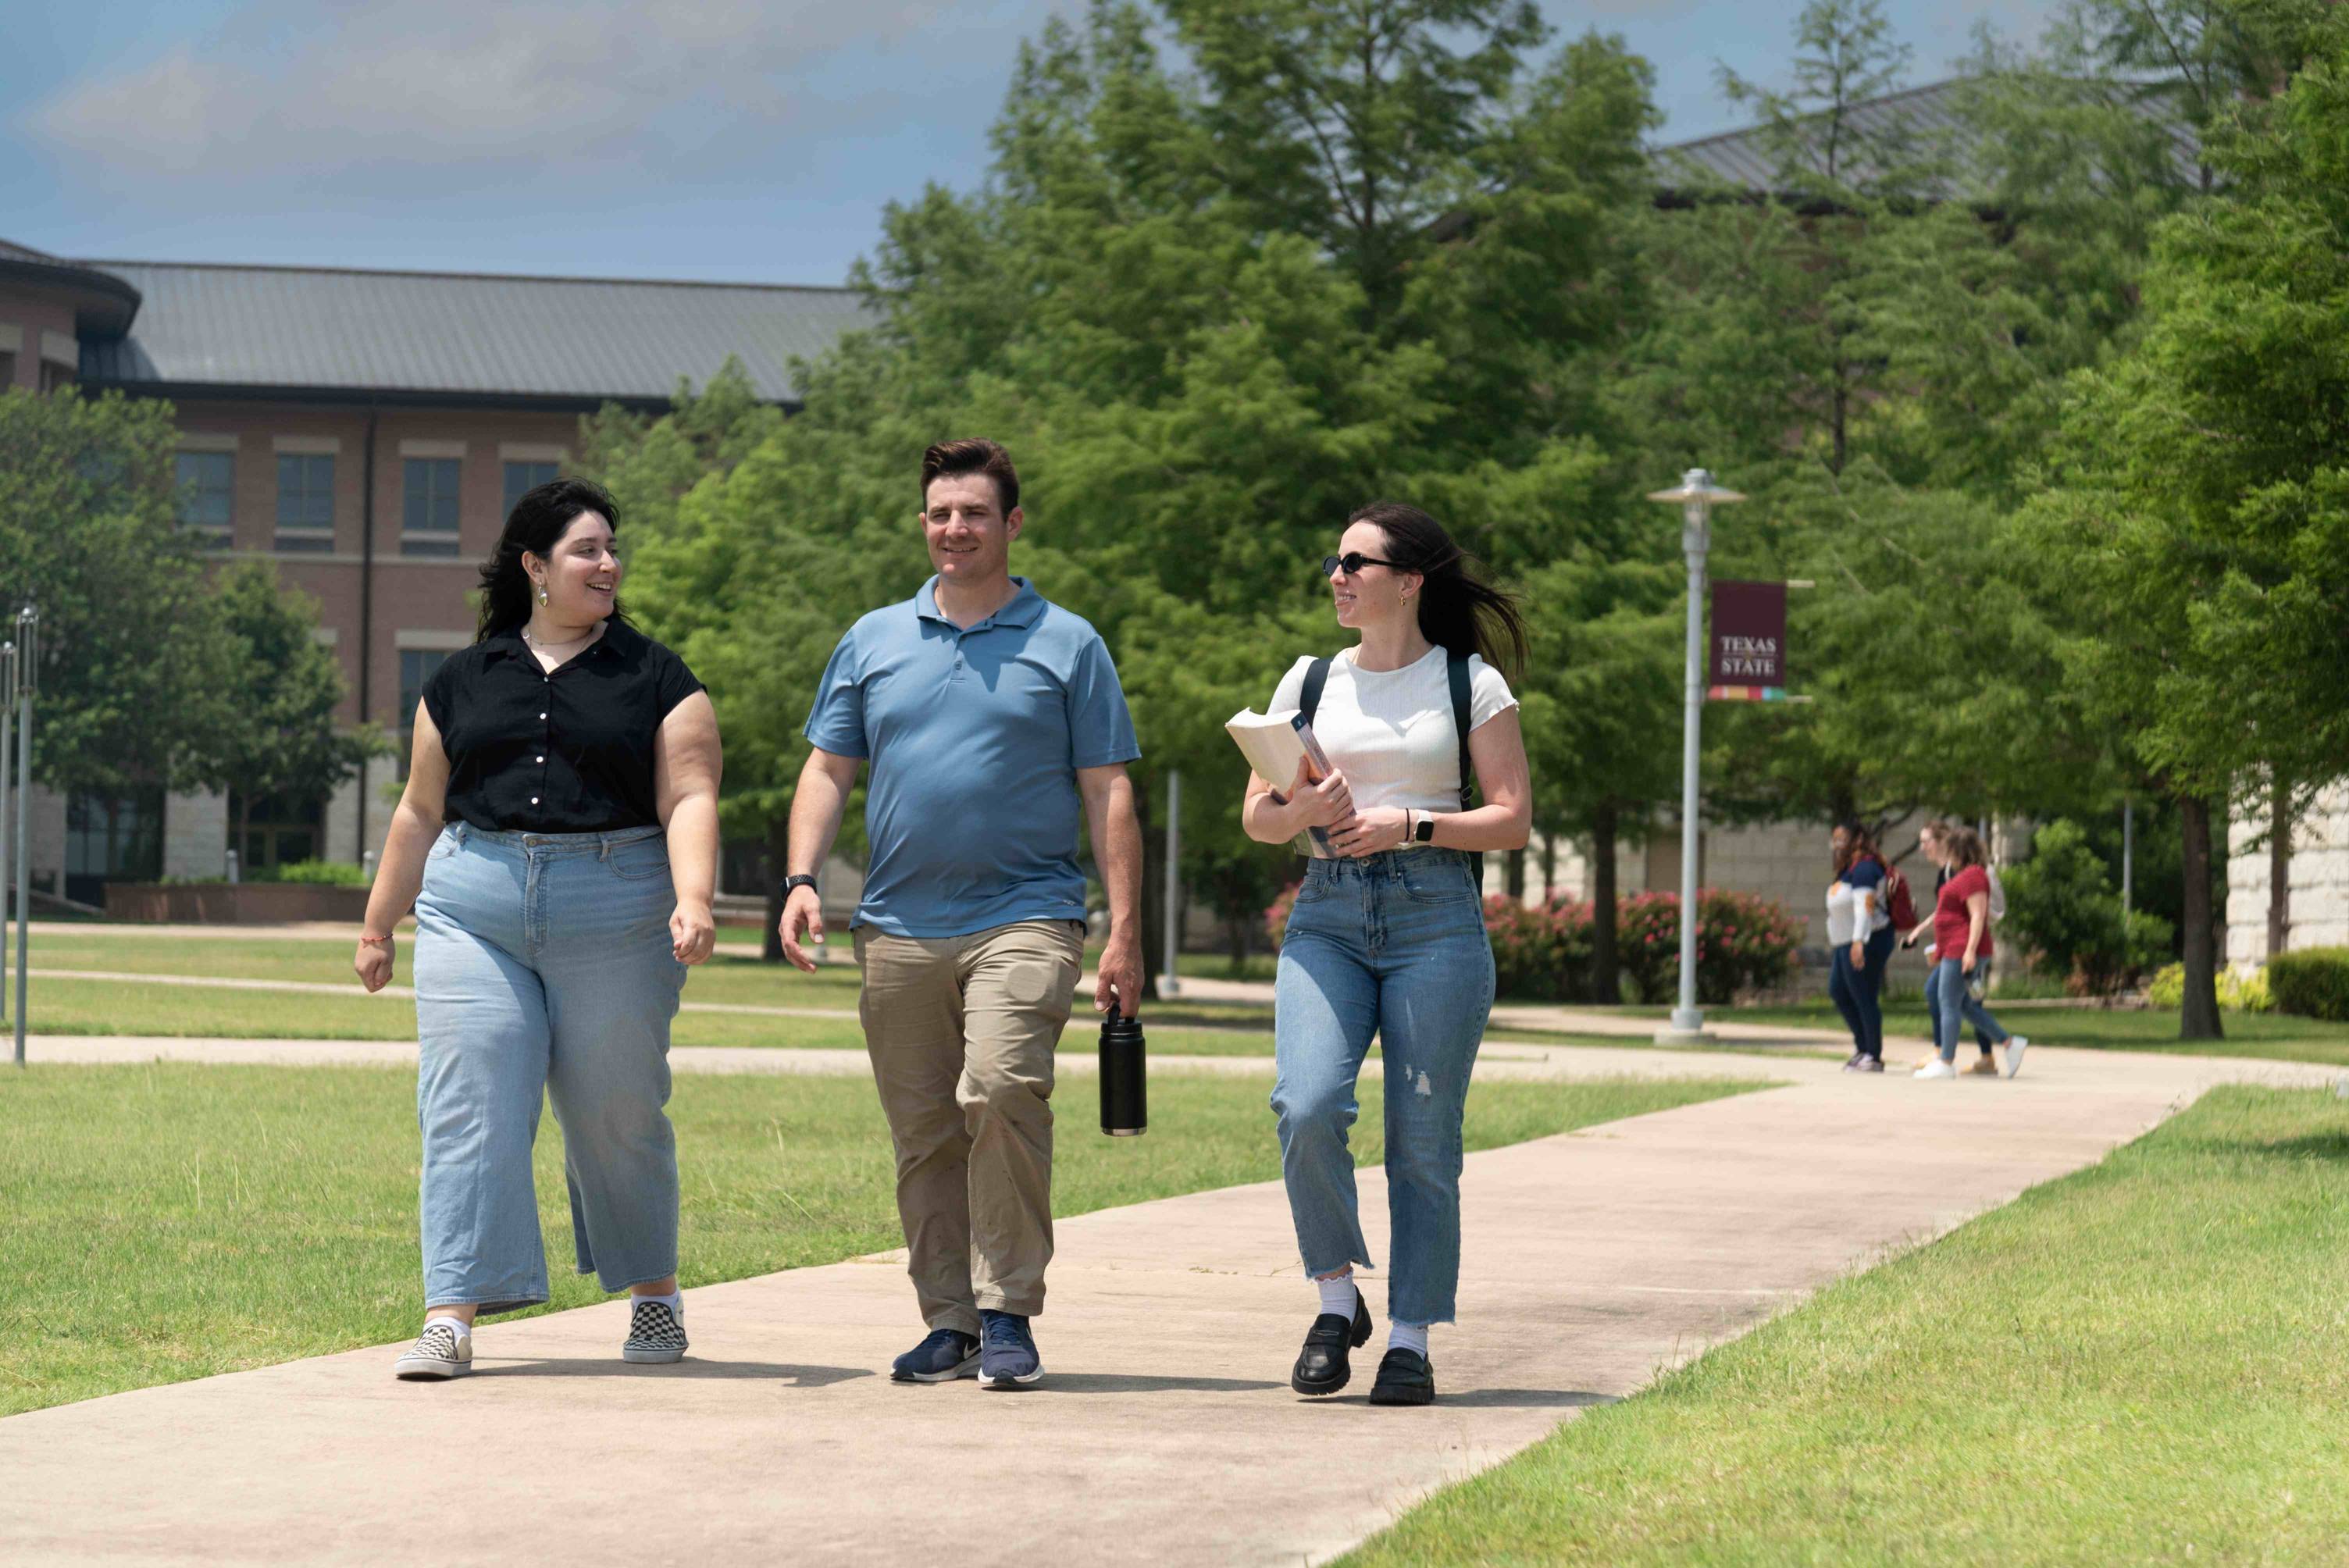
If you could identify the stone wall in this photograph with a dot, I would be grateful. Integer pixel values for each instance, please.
(2318, 906)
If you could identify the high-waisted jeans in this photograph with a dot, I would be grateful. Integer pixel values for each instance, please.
(1392, 945)
(545, 966)
(1857, 990)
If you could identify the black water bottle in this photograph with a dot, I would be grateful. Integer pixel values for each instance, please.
(1125, 1108)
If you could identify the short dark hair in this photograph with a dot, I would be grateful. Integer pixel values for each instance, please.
(973, 454)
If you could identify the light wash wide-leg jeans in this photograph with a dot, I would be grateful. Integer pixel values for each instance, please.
(543, 966)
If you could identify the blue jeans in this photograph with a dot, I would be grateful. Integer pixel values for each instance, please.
(1392, 945)
(1857, 991)
(1933, 1006)
(1956, 1007)
(544, 965)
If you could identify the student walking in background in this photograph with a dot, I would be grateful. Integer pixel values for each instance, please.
(558, 837)
(1927, 837)
(1859, 941)
(1387, 934)
(994, 721)
(1962, 966)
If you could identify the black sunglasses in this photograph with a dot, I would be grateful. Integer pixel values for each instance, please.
(1353, 560)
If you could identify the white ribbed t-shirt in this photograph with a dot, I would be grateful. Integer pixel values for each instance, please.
(1389, 732)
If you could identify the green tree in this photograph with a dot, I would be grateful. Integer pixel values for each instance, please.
(134, 663)
(280, 735)
(2204, 496)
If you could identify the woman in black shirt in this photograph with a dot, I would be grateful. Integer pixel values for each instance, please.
(558, 839)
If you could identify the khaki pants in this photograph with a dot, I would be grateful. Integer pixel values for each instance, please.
(961, 1030)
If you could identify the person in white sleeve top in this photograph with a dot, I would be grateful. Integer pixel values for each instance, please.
(1387, 935)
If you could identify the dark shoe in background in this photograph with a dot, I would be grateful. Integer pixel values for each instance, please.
(1404, 1378)
(1322, 1366)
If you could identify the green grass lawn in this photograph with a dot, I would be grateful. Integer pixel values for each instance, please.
(2144, 1361)
(327, 962)
(168, 1222)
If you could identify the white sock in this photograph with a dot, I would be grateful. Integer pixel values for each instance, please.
(464, 1330)
(1408, 1337)
(674, 1299)
(1339, 1295)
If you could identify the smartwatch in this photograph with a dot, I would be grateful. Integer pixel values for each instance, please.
(1426, 833)
(796, 882)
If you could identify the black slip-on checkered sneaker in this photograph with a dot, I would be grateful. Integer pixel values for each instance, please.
(439, 1354)
(654, 1334)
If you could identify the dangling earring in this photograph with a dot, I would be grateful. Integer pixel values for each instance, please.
(542, 593)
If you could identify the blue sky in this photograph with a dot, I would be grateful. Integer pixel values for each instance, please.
(726, 140)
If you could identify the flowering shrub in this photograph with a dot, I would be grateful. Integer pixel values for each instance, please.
(1541, 953)
(1744, 943)
(1275, 916)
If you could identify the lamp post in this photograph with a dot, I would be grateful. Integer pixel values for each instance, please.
(27, 672)
(1696, 497)
(7, 735)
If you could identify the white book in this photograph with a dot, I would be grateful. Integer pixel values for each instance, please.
(1273, 743)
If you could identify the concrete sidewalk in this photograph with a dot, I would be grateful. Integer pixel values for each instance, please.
(1163, 1432)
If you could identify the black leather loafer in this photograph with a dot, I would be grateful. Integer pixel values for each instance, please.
(1321, 1367)
(1404, 1378)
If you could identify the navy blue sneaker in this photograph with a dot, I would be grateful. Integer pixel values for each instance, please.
(1007, 1353)
(946, 1355)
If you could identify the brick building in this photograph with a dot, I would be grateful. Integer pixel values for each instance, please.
(366, 433)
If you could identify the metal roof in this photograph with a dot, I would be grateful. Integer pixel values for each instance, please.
(324, 330)
(1930, 117)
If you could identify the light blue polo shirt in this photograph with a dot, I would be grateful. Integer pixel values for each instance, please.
(975, 736)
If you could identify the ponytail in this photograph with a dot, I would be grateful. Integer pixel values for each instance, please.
(1457, 612)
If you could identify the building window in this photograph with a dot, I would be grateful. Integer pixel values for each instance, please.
(416, 666)
(208, 495)
(306, 503)
(280, 831)
(112, 837)
(429, 523)
(53, 376)
(525, 477)
(7, 368)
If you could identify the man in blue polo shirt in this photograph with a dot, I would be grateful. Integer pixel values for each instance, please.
(990, 717)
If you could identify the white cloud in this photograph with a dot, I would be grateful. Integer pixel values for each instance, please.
(303, 88)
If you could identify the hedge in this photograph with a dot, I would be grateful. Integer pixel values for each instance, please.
(2312, 983)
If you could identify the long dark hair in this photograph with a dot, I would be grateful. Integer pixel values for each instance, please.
(537, 520)
(1859, 844)
(1456, 612)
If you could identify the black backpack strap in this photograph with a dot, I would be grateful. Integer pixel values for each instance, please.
(1455, 670)
(1309, 701)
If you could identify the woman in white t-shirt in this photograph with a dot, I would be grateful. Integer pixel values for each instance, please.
(1387, 936)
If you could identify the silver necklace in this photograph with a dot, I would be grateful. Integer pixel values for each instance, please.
(544, 646)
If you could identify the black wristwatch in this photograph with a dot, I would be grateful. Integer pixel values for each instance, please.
(796, 882)
(1426, 833)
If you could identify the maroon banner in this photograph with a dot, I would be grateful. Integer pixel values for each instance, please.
(1749, 634)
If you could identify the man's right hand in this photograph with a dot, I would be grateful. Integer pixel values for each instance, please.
(802, 917)
(1322, 805)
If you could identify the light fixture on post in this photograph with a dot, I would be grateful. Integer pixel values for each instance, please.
(1696, 497)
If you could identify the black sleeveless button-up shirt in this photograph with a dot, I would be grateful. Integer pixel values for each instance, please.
(569, 752)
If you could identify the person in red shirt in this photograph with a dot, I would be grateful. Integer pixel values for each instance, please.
(1962, 946)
